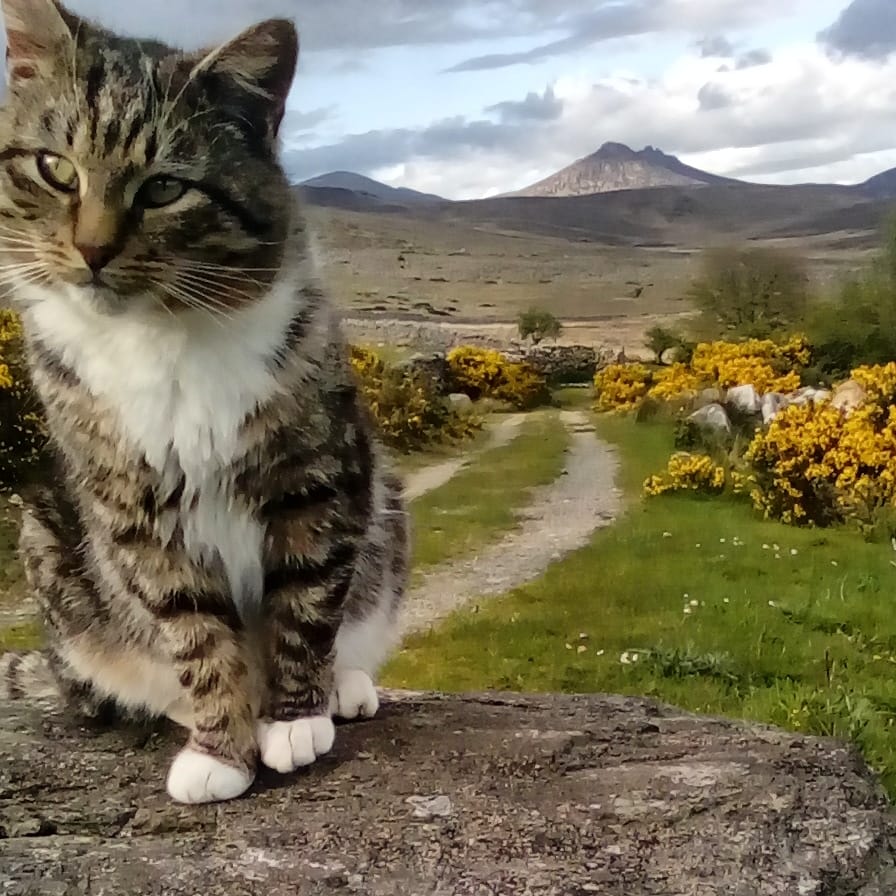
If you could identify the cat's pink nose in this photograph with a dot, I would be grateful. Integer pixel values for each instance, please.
(97, 257)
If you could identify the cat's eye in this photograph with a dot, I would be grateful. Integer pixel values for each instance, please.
(160, 191)
(58, 172)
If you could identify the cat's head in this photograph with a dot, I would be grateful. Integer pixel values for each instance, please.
(131, 172)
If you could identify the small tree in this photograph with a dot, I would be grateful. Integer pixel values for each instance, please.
(750, 292)
(660, 339)
(537, 324)
(858, 326)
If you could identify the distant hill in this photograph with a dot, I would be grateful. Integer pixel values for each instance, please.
(881, 186)
(358, 183)
(616, 166)
(713, 214)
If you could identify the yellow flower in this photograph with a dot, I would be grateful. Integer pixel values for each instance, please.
(687, 472)
(621, 386)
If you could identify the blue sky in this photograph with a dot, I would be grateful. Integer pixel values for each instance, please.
(472, 97)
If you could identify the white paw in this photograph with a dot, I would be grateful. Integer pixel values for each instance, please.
(285, 746)
(354, 695)
(196, 777)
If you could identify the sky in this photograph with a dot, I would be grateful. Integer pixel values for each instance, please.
(470, 98)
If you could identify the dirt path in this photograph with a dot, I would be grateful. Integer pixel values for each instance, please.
(561, 518)
(428, 478)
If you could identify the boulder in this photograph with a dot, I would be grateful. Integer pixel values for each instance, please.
(848, 396)
(807, 394)
(772, 403)
(483, 795)
(712, 417)
(708, 396)
(744, 399)
(461, 403)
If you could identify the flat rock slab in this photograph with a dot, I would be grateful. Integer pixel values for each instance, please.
(450, 796)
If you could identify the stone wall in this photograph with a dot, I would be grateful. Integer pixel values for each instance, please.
(489, 795)
(557, 363)
(562, 363)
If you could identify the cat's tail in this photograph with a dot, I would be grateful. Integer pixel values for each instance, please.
(27, 676)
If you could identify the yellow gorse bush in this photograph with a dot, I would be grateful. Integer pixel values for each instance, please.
(620, 387)
(816, 465)
(769, 366)
(486, 373)
(676, 380)
(687, 472)
(408, 413)
(22, 430)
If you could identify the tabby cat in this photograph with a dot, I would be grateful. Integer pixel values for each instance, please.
(224, 543)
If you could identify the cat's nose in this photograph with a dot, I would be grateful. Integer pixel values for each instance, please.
(97, 257)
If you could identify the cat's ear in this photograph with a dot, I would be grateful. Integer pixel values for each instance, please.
(38, 33)
(261, 63)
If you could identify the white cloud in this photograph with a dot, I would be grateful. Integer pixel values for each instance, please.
(802, 111)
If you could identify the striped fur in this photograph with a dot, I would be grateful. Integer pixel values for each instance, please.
(224, 543)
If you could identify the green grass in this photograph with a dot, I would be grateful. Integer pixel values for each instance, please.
(22, 636)
(480, 502)
(416, 460)
(698, 603)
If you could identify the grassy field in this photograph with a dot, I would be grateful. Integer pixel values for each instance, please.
(480, 502)
(447, 268)
(697, 603)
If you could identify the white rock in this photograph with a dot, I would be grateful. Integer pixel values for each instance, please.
(461, 403)
(807, 394)
(772, 403)
(712, 416)
(744, 398)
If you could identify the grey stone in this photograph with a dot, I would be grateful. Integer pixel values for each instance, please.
(547, 795)
(708, 396)
(712, 417)
(461, 403)
(772, 402)
(432, 366)
(807, 394)
(559, 363)
(744, 398)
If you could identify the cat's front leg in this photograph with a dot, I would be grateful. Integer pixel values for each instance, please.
(304, 601)
(219, 760)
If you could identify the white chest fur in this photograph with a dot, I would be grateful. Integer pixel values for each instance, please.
(181, 387)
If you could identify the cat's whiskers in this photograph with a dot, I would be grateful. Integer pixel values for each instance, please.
(224, 281)
(214, 290)
(187, 296)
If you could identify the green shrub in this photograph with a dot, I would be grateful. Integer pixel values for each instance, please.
(660, 339)
(537, 324)
(755, 293)
(858, 326)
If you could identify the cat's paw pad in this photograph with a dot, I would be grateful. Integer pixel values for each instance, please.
(286, 746)
(196, 777)
(354, 696)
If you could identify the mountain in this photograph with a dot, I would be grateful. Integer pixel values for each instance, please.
(358, 183)
(881, 186)
(616, 166)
